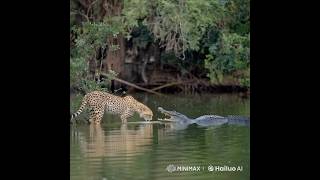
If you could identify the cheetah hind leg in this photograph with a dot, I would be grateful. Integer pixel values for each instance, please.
(92, 116)
(98, 117)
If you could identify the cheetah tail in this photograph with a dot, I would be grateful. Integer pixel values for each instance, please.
(83, 105)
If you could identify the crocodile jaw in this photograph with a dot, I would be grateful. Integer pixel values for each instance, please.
(165, 112)
(166, 119)
(171, 119)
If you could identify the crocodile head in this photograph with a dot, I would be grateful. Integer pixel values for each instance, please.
(173, 115)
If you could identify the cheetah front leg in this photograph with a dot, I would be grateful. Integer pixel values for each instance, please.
(126, 114)
(124, 118)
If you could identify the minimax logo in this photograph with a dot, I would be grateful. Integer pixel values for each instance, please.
(171, 168)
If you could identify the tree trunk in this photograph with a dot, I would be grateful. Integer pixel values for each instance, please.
(115, 58)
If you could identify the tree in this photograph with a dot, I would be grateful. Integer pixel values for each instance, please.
(212, 34)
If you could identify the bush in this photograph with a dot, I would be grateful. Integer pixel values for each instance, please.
(90, 37)
(230, 55)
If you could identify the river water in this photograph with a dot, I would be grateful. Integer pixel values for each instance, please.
(144, 151)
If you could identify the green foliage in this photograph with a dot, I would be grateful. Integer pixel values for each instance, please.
(78, 70)
(245, 79)
(133, 11)
(228, 48)
(215, 73)
(141, 36)
(231, 52)
(90, 37)
(238, 15)
(79, 80)
(90, 85)
(180, 25)
(230, 55)
(216, 30)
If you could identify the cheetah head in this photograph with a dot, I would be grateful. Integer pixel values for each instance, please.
(140, 108)
(145, 112)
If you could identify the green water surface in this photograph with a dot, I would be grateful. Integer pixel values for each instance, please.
(144, 151)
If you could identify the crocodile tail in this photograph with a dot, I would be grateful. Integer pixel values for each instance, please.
(236, 117)
(239, 120)
(83, 105)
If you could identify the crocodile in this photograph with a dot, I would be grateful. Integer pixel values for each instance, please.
(205, 120)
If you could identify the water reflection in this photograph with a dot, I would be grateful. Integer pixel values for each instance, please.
(95, 142)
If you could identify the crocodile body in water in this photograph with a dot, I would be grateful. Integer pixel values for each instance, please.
(205, 120)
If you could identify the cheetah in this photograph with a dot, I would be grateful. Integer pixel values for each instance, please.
(100, 102)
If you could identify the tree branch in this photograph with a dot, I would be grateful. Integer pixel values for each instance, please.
(132, 85)
(171, 84)
(80, 13)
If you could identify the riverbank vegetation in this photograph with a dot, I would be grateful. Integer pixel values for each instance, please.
(185, 45)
